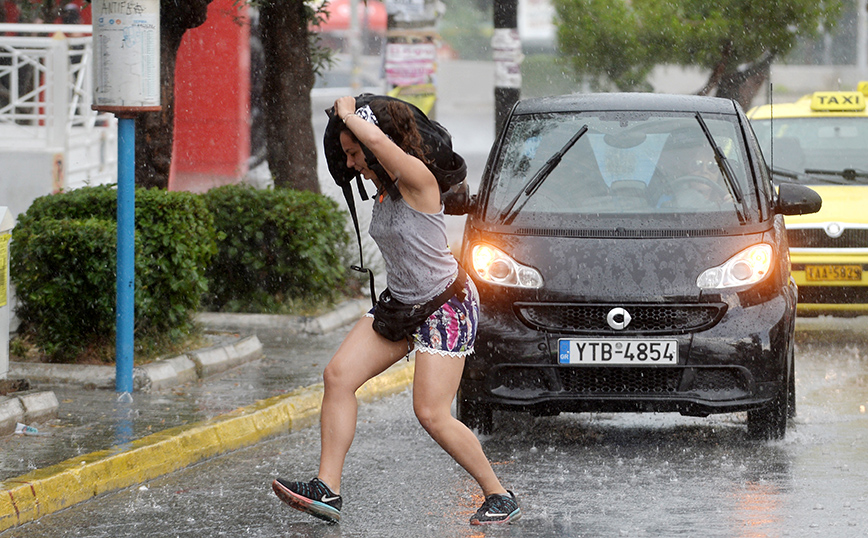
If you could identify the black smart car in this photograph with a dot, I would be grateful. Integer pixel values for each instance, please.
(631, 255)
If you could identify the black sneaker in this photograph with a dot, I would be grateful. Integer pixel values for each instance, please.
(497, 509)
(313, 497)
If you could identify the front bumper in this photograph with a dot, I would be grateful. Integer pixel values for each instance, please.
(733, 361)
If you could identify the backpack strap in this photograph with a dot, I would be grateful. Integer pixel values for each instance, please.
(351, 205)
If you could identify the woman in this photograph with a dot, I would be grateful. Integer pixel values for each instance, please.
(410, 231)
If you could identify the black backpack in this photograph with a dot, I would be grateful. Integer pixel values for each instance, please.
(447, 166)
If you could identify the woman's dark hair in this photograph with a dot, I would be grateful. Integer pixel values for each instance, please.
(397, 120)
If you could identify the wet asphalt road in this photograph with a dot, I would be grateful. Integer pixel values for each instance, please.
(576, 475)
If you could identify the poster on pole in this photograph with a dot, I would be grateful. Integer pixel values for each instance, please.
(411, 70)
(508, 56)
(126, 46)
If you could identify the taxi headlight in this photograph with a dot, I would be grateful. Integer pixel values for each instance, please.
(747, 267)
(493, 265)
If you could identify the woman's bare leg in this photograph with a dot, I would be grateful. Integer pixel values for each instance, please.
(434, 387)
(362, 355)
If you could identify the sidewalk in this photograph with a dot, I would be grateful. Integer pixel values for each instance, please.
(239, 392)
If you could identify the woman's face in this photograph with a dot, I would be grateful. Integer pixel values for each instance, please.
(355, 156)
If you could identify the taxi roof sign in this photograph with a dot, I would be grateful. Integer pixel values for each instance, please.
(838, 101)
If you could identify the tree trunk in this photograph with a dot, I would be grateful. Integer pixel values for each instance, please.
(288, 81)
(742, 85)
(155, 130)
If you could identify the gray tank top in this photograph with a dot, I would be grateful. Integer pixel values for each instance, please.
(419, 264)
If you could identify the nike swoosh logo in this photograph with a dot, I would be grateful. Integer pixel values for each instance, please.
(489, 514)
(327, 499)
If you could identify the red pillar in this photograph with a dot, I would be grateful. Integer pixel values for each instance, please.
(212, 101)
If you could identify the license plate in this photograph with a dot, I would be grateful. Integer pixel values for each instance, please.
(621, 351)
(847, 273)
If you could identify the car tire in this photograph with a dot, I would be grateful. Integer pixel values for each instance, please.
(791, 393)
(475, 415)
(769, 422)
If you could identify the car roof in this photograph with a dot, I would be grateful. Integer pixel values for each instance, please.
(627, 102)
(803, 108)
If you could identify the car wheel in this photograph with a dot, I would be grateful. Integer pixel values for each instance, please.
(476, 416)
(770, 422)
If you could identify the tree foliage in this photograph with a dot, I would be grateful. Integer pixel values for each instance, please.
(616, 43)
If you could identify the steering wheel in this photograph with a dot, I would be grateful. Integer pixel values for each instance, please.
(718, 193)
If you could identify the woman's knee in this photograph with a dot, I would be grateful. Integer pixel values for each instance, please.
(336, 376)
(431, 417)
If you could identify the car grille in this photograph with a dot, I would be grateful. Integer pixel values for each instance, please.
(817, 238)
(519, 381)
(718, 380)
(646, 319)
(620, 380)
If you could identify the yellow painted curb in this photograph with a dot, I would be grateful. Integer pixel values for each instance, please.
(26, 498)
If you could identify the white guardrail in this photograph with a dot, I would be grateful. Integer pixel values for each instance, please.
(46, 92)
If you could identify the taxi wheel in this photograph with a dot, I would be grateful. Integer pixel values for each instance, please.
(476, 416)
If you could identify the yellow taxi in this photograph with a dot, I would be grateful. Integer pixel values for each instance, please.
(821, 140)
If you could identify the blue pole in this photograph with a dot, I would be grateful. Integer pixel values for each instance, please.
(126, 252)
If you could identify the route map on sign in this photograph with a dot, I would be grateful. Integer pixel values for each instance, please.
(126, 51)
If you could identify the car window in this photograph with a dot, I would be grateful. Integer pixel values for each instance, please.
(628, 164)
(821, 143)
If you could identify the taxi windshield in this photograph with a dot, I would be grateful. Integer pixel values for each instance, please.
(830, 149)
(656, 165)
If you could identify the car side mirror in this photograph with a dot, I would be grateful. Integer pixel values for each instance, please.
(457, 200)
(797, 200)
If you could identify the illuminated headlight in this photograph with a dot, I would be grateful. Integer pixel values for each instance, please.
(748, 266)
(494, 266)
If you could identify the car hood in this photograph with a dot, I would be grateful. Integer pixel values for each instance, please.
(621, 269)
(841, 203)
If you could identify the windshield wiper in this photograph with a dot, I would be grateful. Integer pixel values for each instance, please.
(801, 177)
(725, 169)
(789, 174)
(850, 174)
(531, 187)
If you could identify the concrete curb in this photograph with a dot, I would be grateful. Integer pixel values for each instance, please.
(26, 407)
(343, 314)
(35, 406)
(157, 375)
(28, 497)
(196, 364)
(199, 363)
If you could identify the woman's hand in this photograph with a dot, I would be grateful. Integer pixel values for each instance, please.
(345, 106)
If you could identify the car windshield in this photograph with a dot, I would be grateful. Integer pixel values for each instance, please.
(826, 147)
(638, 165)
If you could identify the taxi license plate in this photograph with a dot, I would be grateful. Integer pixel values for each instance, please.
(621, 351)
(846, 273)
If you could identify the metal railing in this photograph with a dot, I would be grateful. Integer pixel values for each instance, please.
(46, 92)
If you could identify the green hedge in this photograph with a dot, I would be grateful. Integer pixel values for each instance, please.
(63, 266)
(274, 246)
(64, 282)
(235, 248)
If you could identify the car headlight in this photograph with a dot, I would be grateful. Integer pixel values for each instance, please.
(747, 267)
(493, 265)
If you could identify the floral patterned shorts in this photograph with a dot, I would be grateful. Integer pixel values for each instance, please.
(451, 330)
